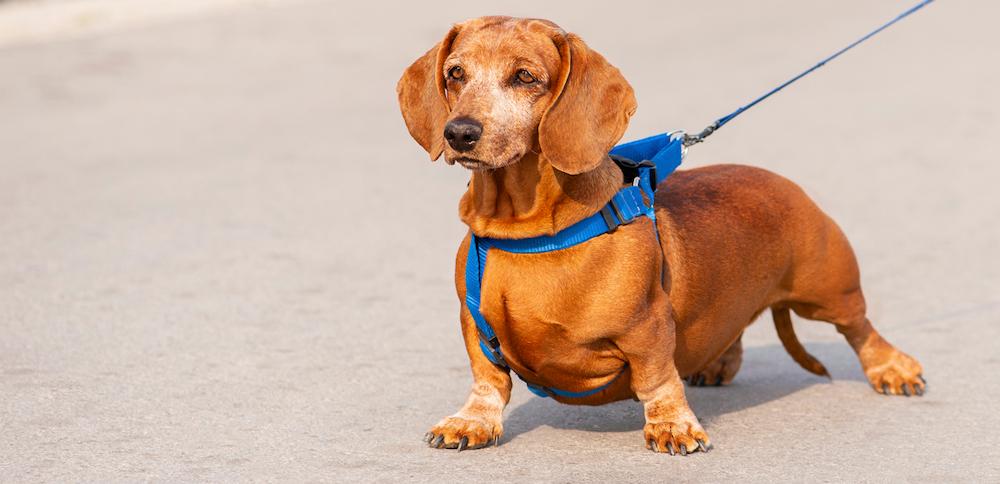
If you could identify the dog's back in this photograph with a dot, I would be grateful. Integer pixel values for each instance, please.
(739, 240)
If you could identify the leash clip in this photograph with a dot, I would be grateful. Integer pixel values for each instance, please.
(693, 139)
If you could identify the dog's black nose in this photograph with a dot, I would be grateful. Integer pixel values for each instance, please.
(462, 133)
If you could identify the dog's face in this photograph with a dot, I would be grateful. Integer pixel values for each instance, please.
(498, 79)
(496, 88)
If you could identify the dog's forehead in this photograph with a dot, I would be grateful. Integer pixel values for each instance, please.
(508, 38)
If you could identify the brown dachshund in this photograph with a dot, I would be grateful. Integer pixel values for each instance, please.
(532, 112)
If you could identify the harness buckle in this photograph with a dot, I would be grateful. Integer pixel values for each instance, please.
(631, 169)
(606, 213)
(613, 216)
(493, 346)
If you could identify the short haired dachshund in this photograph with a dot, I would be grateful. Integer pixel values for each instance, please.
(531, 111)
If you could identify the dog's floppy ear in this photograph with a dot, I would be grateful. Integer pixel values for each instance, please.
(422, 97)
(590, 108)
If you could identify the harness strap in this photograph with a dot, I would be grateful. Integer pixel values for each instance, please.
(665, 151)
(626, 206)
(661, 154)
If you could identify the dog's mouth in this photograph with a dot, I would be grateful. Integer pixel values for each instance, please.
(470, 163)
(477, 164)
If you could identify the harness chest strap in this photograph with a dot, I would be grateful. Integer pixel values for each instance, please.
(662, 155)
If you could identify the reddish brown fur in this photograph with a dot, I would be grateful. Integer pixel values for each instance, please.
(736, 240)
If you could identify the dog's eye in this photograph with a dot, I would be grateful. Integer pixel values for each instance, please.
(456, 73)
(525, 77)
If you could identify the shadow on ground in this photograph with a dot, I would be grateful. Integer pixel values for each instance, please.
(767, 374)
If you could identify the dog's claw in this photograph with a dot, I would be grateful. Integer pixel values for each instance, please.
(885, 389)
(684, 449)
(670, 448)
(921, 377)
(906, 389)
(436, 443)
(918, 390)
(652, 445)
(496, 441)
(462, 444)
(718, 381)
(428, 437)
(703, 446)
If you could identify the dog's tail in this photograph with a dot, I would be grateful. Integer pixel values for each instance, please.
(783, 323)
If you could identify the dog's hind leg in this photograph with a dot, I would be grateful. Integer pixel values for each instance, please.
(889, 370)
(723, 369)
(826, 286)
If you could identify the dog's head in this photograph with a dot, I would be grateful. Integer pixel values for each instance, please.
(498, 87)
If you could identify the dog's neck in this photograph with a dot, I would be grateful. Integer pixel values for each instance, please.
(531, 198)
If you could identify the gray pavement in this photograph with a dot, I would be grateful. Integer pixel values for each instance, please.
(222, 258)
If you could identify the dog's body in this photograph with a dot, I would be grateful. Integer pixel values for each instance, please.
(734, 241)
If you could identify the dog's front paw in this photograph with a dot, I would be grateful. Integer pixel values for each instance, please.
(464, 432)
(681, 436)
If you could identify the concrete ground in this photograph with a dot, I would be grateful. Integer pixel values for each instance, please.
(222, 258)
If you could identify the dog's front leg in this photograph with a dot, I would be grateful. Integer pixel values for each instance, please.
(671, 426)
(480, 421)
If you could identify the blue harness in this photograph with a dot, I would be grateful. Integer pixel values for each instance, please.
(660, 155)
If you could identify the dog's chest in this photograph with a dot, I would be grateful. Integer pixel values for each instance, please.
(556, 312)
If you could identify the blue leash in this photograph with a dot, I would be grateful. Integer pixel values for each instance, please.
(698, 138)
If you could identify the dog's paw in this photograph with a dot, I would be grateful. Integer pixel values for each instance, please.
(464, 432)
(900, 374)
(722, 370)
(682, 437)
(719, 372)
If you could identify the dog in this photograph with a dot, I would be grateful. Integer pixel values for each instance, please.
(532, 112)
